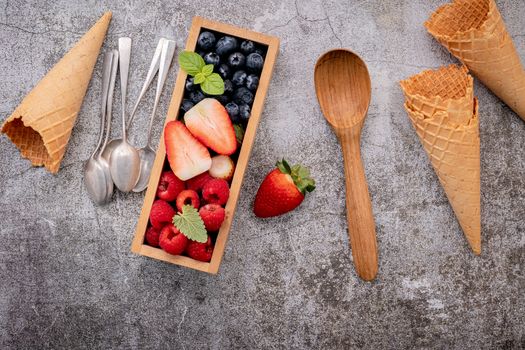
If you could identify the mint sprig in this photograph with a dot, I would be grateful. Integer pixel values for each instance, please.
(190, 223)
(202, 73)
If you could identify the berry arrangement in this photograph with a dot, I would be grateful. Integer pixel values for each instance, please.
(202, 146)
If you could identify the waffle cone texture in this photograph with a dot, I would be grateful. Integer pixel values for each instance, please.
(444, 112)
(41, 125)
(474, 32)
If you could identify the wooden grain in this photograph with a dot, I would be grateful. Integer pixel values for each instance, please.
(138, 246)
(343, 89)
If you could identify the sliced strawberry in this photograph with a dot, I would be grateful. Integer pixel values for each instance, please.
(186, 155)
(222, 167)
(209, 122)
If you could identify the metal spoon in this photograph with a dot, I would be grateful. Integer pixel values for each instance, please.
(94, 174)
(147, 154)
(153, 69)
(343, 88)
(109, 108)
(124, 161)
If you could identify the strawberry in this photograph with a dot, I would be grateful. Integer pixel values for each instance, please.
(169, 186)
(197, 183)
(161, 213)
(213, 216)
(216, 191)
(200, 251)
(222, 167)
(172, 240)
(188, 197)
(282, 190)
(209, 122)
(186, 155)
(152, 236)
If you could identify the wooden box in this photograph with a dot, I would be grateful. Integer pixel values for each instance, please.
(139, 246)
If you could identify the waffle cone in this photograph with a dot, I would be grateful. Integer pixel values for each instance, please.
(474, 32)
(444, 113)
(41, 125)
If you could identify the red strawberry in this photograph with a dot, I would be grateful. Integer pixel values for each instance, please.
(172, 240)
(209, 122)
(161, 213)
(187, 156)
(188, 197)
(216, 191)
(213, 216)
(200, 251)
(169, 186)
(152, 236)
(282, 190)
(197, 183)
(222, 167)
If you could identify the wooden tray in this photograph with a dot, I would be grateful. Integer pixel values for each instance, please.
(138, 246)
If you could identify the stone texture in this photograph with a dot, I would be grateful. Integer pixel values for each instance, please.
(70, 281)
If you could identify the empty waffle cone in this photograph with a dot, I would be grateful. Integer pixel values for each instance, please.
(443, 111)
(474, 32)
(41, 125)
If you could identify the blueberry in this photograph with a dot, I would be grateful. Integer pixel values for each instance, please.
(243, 95)
(260, 51)
(223, 99)
(252, 81)
(233, 111)
(224, 71)
(186, 105)
(236, 60)
(201, 53)
(196, 96)
(190, 86)
(212, 58)
(225, 45)
(254, 62)
(247, 47)
(244, 113)
(228, 87)
(206, 41)
(239, 78)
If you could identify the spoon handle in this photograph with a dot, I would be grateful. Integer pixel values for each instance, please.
(106, 77)
(361, 225)
(168, 50)
(153, 69)
(109, 105)
(124, 50)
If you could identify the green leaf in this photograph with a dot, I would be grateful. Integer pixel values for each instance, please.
(213, 85)
(190, 223)
(300, 175)
(207, 70)
(199, 78)
(239, 132)
(284, 167)
(191, 62)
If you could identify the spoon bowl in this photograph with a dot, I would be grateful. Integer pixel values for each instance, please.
(147, 158)
(343, 90)
(95, 181)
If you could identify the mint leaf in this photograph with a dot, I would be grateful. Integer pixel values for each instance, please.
(199, 78)
(207, 70)
(191, 62)
(239, 132)
(213, 85)
(190, 223)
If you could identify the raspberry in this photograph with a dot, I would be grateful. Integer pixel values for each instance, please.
(161, 214)
(172, 240)
(188, 197)
(152, 236)
(200, 251)
(169, 186)
(213, 216)
(216, 191)
(198, 182)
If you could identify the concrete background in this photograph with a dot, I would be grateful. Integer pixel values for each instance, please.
(68, 279)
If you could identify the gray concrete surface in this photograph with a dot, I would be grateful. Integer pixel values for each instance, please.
(68, 279)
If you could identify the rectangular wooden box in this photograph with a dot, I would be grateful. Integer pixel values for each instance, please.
(138, 246)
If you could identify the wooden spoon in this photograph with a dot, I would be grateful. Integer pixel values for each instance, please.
(343, 90)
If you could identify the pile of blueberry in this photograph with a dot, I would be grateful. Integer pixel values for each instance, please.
(239, 63)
